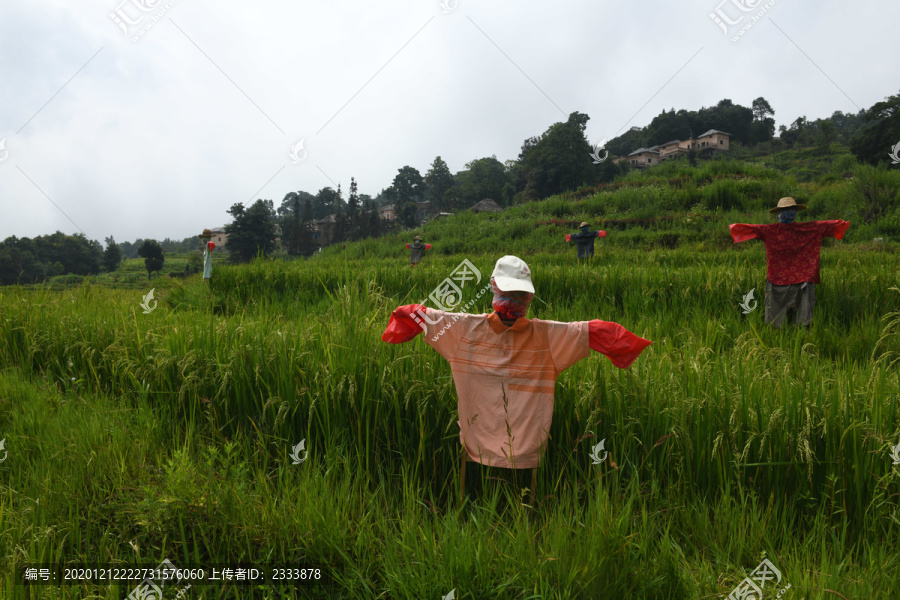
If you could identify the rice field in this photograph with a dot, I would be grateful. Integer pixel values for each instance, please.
(169, 435)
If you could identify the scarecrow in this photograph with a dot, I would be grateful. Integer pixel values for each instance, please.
(792, 260)
(417, 250)
(585, 240)
(206, 236)
(505, 365)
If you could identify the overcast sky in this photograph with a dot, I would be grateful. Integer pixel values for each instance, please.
(150, 118)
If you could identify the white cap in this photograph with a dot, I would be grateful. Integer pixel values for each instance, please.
(511, 274)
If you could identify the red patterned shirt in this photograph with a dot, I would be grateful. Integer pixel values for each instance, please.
(792, 250)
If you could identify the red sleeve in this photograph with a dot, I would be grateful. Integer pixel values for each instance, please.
(741, 232)
(568, 237)
(403, 326)
(618, 344)
(601, 233)
(428, 246)
(839, 228)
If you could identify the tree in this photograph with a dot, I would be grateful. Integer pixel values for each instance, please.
(326, 202)
(152, 253)
(438, 179)
(880, 132)
(827, 134)
(762, 109)
(483, 178)
(560, 159)
(353, 209)
(763, 127)
(252, 231)
(404, 192)
(295, 231)
(306, 241)
(668, 126)
(112, 256)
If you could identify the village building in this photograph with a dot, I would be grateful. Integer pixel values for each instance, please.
(486, 205)
(709, 142)
(219, 237)
(387, 213)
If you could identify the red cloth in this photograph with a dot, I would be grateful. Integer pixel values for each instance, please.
(792, 250)
(610, 339)
(615, 342)
(568, 237)
(210, 245)
(427, 246)
(402, 328)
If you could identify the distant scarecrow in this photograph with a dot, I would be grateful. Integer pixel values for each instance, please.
(417, 250)
(208, 247)
(792, 260)
(505, 366)
(585, 240)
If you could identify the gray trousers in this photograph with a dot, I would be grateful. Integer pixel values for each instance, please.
(793, 303)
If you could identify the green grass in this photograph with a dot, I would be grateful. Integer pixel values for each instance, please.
(728, 440)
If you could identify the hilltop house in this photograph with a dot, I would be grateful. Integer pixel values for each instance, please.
(708, 143)
(423, 211)
(219, 237)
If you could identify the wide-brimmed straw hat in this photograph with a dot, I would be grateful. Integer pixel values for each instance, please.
(206, 233)
(584, 224)
(417, 238)
(787, 202)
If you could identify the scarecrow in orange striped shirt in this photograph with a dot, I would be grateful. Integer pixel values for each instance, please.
(505, 365)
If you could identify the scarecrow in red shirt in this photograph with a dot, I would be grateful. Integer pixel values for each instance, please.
(792, 260)
(505, 365)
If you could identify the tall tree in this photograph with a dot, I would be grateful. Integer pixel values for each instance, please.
(252, 231)
(295, 243)
(763, 127)
(306, 241)
(404, 192)
(482, 178)
(560, 159)
(353, 212)
(438, 179)
(152, 253)
(112, 256)
(668, 126)
(880, 133)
